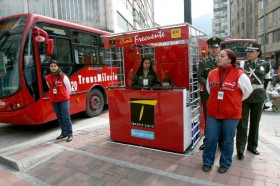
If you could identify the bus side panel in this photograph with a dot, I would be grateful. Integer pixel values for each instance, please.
(30, 115)
(78, 103)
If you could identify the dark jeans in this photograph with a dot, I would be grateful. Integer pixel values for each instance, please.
(63, 116)
(225, 130)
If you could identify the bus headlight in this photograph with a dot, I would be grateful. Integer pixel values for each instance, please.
(15, 105)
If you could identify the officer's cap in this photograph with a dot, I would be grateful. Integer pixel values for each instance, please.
(253, 47)
(214, 42)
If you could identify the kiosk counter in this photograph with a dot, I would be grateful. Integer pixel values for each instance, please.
(158, 119)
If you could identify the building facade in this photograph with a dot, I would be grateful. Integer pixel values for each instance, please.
(258, 19)
(269, 28)
(244, 19)
(110, 15)
(221, 21)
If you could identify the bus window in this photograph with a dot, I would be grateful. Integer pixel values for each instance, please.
(101, 56)
(112, 57)
(29, 69)
(9, 59)
(62, 53)
(85, 54)
(85, 50)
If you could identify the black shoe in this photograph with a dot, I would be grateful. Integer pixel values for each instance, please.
(207, 168)
(70, 138)
(240, 156)
(202, 147)
(254, 151)
(222, 170)
(61, 136)
(265, 107)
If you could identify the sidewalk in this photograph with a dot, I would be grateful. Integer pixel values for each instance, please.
(93, 159)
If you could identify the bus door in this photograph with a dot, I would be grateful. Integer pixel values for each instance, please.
(41, 48)
(29, 68)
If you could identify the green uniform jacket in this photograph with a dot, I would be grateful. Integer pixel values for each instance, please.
(204, 67)
(261, 69)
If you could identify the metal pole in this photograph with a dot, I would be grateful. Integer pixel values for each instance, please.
(188, 11)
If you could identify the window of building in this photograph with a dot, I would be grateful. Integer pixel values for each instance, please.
(123, 23)
(14, 7)
(276, 15)
(69, 9)
(276, 36)
(266, 39)
(41, 7)
(92, 10)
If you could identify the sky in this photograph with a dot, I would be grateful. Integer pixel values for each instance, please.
(169, 12)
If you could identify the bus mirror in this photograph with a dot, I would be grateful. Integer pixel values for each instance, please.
(40, 39)
(40, 35)
(49, 47)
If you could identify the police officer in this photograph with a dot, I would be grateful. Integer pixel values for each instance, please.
(204, 67)
(258, 70)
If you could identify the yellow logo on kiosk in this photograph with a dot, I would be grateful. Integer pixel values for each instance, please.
(175, 33)
(142, 112)
(112, 42)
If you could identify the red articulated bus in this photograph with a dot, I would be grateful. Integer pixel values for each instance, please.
(27, 44)
(238, 46)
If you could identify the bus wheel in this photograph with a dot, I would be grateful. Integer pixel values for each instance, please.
(95, 103)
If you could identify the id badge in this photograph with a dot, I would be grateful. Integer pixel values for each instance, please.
(221, 95)
(54, 91)
(145, 82)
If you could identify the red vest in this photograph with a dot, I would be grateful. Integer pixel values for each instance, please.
(58, 84)
(230, 107)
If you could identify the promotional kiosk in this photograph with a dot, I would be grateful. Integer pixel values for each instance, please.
(165, 118)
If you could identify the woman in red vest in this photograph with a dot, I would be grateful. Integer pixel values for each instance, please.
(60, 91)
(227, 87)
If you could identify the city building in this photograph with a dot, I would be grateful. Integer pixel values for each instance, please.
(269, 29)
(110, 15)
(221, 21)
(258, 19)
(244, 19)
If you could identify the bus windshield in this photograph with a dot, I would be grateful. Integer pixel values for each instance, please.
(11, 31)
(238, 47)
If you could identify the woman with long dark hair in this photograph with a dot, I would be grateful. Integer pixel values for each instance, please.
(145, 76)
(60, 91)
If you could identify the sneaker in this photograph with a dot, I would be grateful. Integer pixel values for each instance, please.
(265, 107)
(70, 138)
(61, 136)
(222, 170)
(207, 168)
(202, 147)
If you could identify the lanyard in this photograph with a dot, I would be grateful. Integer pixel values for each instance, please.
(53, 80)
(223, 78)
